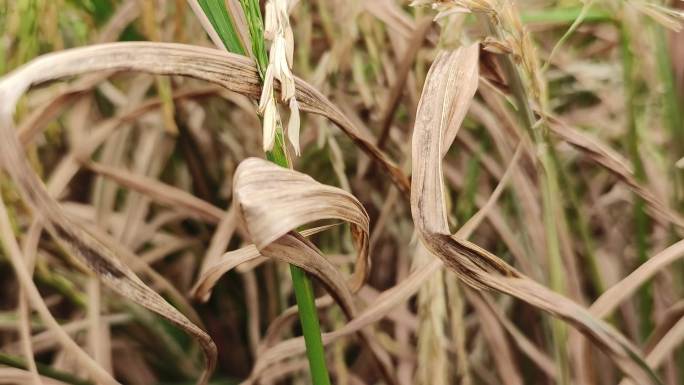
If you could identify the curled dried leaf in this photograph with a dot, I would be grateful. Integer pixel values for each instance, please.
(274, 201)
(233, 72)
(447, 93)
(79, 242)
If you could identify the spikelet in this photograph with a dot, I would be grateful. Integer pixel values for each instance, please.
(278, 31)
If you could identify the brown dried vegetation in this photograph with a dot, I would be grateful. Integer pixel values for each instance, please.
(483, 191)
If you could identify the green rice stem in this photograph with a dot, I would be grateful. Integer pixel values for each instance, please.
(303, 287)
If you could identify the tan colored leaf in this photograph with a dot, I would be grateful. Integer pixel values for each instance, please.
(621, 291)
(11, 247)
(274, 201)
(163, 193)
(234, 72)
(104, 262)
(496, 338)
(524, 344)
(32, 125)
(618, 166)
(210, 274)
(447, 90)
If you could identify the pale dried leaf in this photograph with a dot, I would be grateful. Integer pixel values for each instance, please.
(620, 167)
(234, 72)
(474, 265)
(621, 291)
(166, 194)
(274, 201)
(388, 300)
(219, 266)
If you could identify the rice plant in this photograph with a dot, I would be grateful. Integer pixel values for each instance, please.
(350, 192)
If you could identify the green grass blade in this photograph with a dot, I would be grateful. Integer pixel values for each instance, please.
(220, 19)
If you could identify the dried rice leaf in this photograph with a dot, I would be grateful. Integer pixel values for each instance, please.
(616, 294)
(524, 344)
(274, 201)
(233, 72)
(382, 305)
(280, 324)
(618, 166)
(169, 195)
(446, 91)
(11, 247)
(220, 239)
(494, 335)
(291, 248)
(297, 250)
(49, 111)
(230, 260)
(36, 122)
